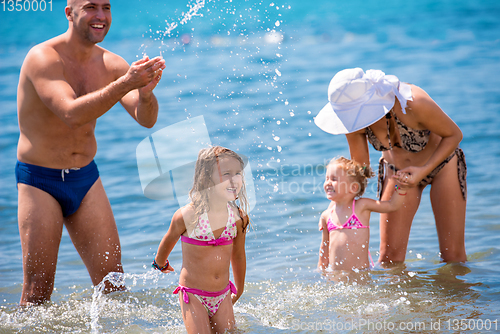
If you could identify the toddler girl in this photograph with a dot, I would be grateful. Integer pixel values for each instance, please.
(212, 230)
(345, 224)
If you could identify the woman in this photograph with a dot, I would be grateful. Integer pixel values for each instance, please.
(419, 143)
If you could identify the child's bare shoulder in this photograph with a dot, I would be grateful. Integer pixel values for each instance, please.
(184, 214)
(364, 203)
(324, 214)
(323, 219)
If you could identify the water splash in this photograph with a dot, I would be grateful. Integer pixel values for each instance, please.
(117, 280)
(171, 26)
(186, 17)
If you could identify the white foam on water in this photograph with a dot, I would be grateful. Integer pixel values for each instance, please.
(117, 280)
(148, 305)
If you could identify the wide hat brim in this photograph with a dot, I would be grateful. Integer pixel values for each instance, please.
(358, 99)
(354, 119)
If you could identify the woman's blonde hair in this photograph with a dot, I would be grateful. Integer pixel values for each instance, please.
(208, 159)
(355, 170)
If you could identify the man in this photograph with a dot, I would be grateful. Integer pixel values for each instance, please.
(65, 84)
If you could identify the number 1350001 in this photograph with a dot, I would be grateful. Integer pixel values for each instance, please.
(26, 5)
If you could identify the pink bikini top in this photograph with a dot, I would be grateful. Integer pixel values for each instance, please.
(202, 234)
(352, 222)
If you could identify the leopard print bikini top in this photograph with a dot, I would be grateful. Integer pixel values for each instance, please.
(412, 140)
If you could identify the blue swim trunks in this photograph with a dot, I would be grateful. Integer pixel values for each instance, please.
(67, 186)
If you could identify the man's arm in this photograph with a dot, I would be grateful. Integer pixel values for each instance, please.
(141, 103)
(43, 67)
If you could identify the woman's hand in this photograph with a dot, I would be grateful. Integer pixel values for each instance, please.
(410, 176)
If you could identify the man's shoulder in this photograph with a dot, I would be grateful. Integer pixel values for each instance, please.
(43, 54)
(47, 48)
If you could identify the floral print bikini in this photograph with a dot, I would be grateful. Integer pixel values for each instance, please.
(202, 235)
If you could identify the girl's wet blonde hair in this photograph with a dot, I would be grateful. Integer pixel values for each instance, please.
(355, 170)
(208, 159)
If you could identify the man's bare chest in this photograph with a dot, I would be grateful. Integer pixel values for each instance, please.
(87, 79)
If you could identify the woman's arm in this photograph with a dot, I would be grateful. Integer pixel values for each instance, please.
(431, 117)
(358, 147)
(324, 253)
(177, 227)
(239, 259)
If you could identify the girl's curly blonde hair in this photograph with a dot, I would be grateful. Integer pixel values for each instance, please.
(357, 171)
(208, 159)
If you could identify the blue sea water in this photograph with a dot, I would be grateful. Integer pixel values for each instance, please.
(258, 71)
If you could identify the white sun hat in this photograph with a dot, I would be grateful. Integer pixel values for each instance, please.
(358, 99)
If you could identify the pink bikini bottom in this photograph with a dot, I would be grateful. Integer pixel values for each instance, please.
(211, 300)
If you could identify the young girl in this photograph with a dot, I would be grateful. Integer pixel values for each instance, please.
(212, 230)
(345, 224)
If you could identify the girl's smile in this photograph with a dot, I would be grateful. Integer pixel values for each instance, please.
(227, 178)
(337, 182)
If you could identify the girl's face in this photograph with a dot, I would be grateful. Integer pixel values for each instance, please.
(337, 183)
(227, 177)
